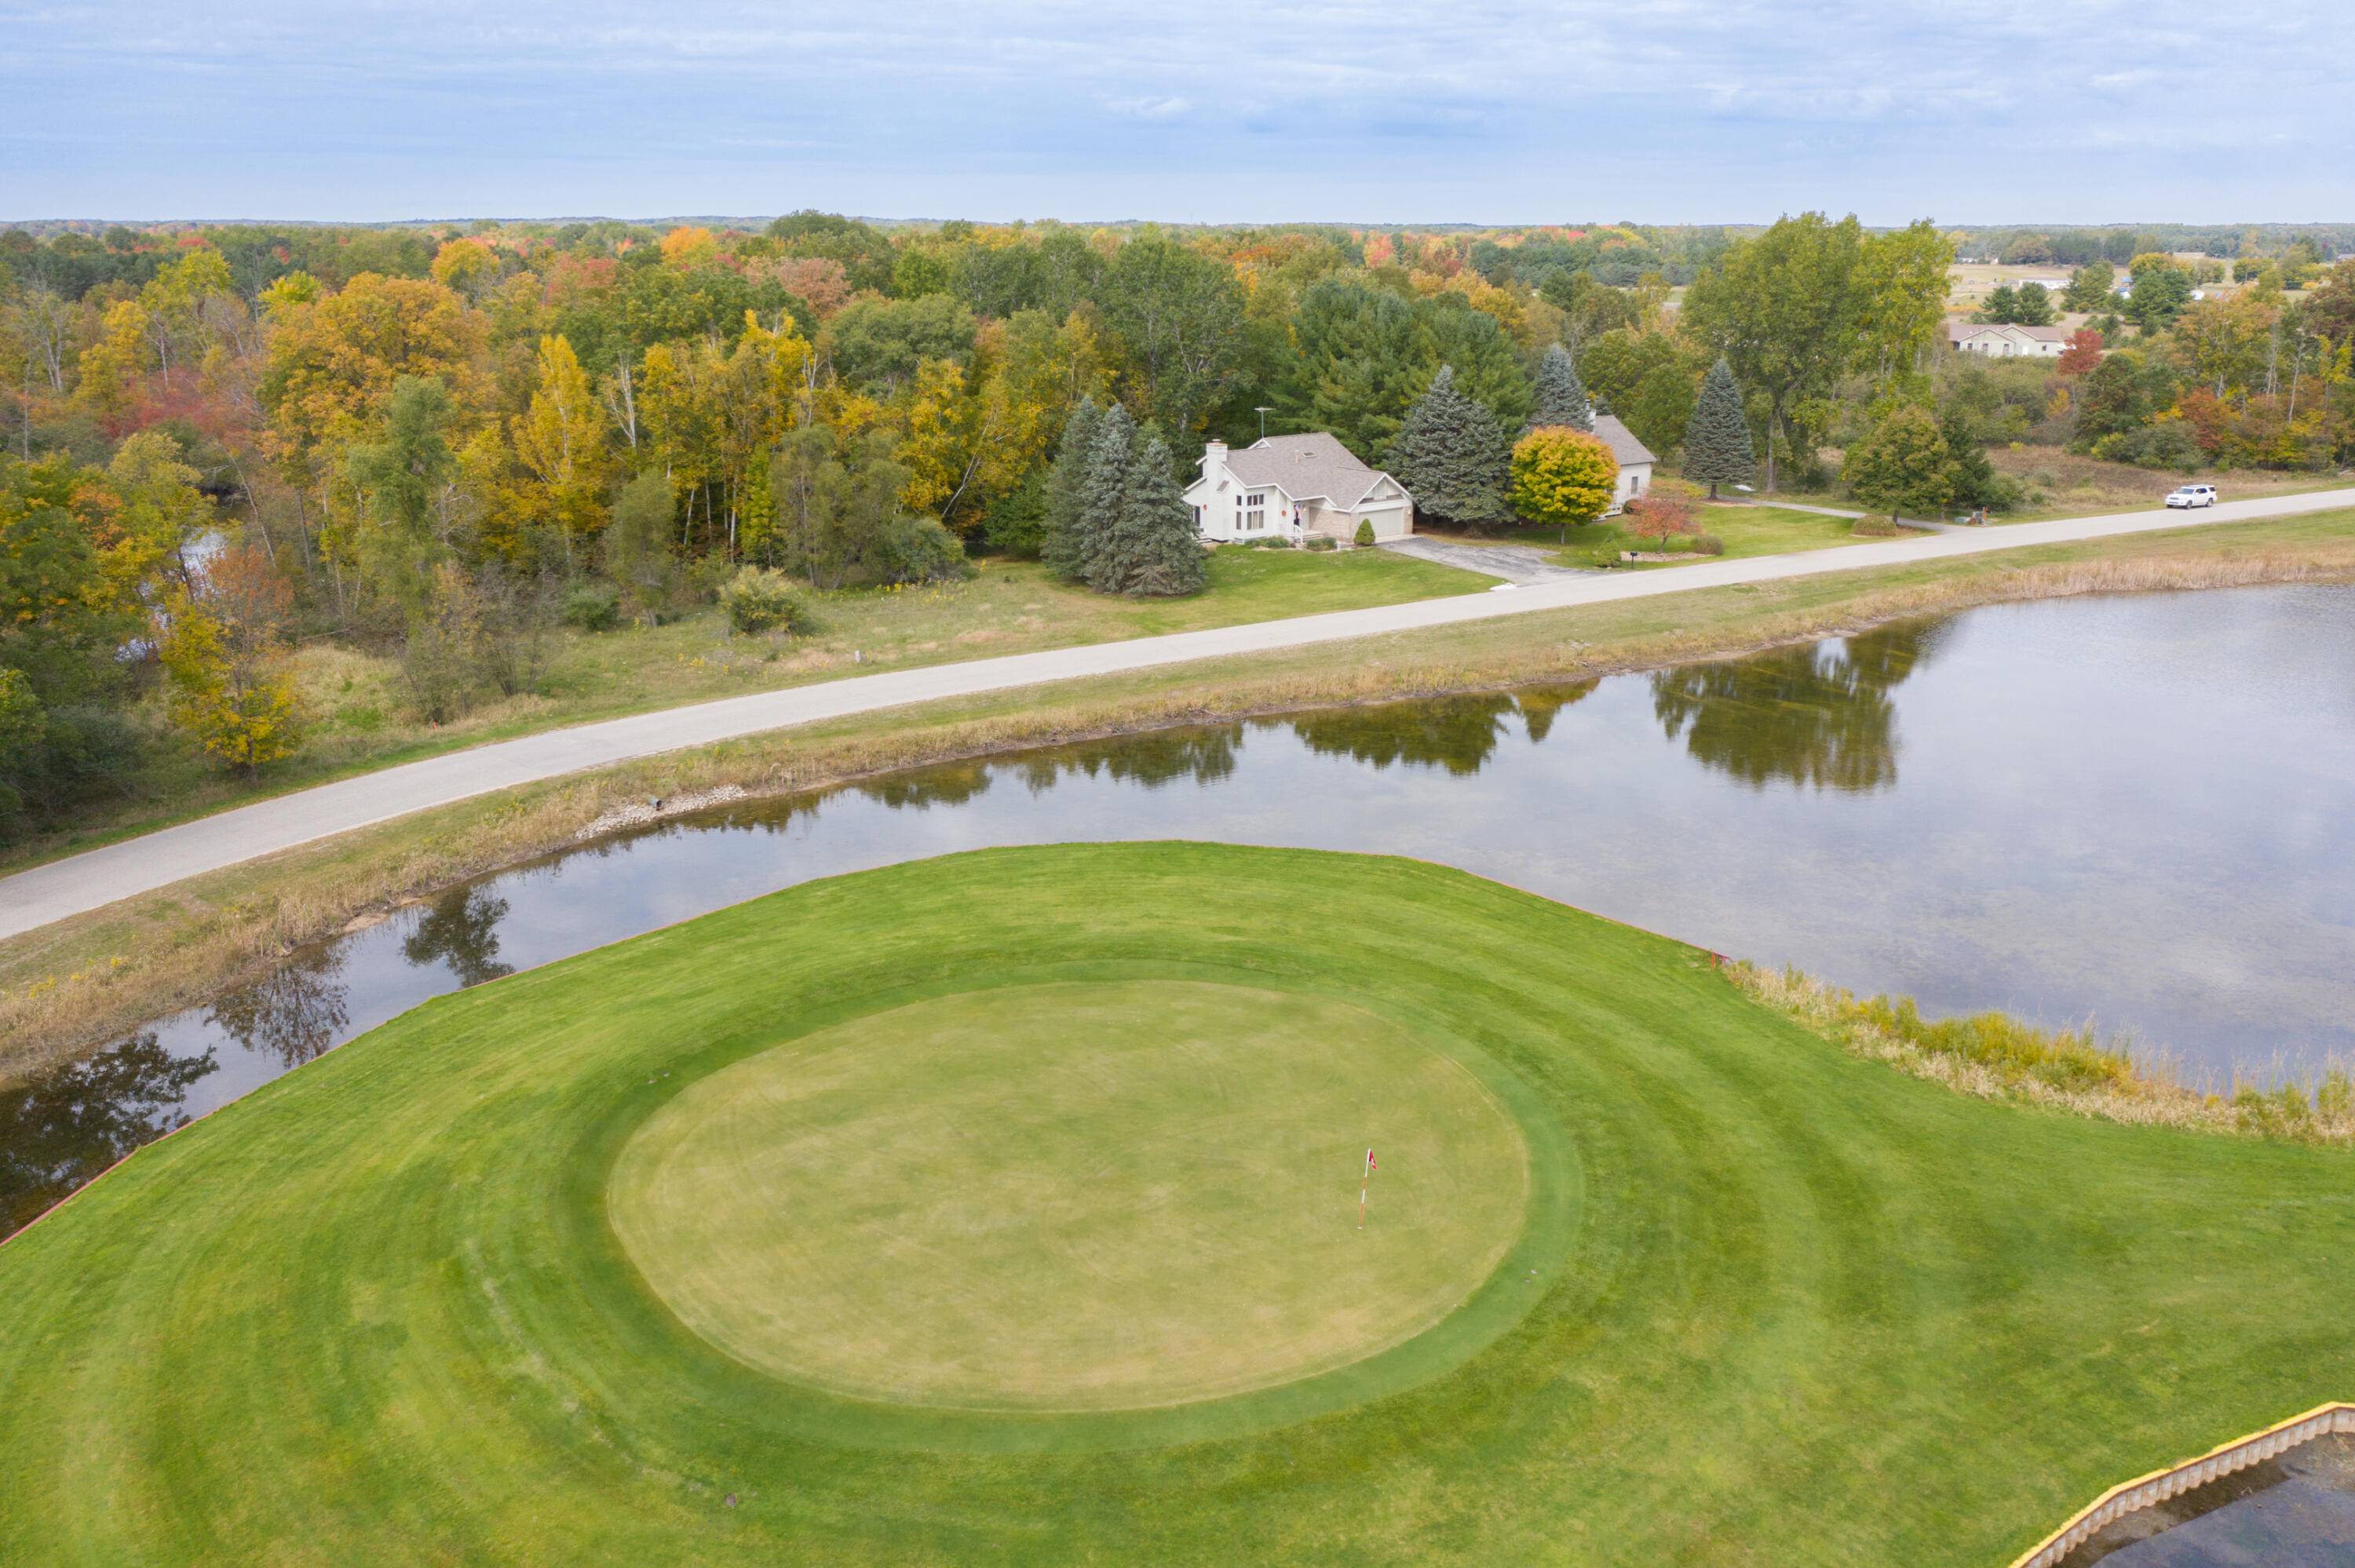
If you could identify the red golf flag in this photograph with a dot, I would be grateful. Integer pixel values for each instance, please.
(1370, 1160)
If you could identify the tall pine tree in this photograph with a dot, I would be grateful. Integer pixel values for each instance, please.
(1103, 492)
(1717, 439)
(1060, 543)
(1150, 547)
(1561, 395)
(1452, 457)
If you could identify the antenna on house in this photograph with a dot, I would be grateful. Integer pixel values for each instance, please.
(1263, 410)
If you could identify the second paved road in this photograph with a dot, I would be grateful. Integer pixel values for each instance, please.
(101, 877)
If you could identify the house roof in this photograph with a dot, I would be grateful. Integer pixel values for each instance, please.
(1957, 330)
(1621, 440)
(1304, 465)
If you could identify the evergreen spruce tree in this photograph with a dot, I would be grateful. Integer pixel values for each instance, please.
(1151, 548)
(1452, 457)
(1059, 544)
(1561, 395)
(1717, 439)
(1102, 491)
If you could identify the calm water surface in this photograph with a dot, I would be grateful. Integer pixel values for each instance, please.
(2294, 1512)
(2137, 811)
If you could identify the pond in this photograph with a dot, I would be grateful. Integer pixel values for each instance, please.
(2294, 1512)
(2133, 810)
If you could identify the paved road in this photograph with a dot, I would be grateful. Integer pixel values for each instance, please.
(101, 877)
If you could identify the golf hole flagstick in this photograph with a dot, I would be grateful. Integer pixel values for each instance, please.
(1364, 1182)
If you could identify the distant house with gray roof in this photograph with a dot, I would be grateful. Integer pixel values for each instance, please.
(1292, 486)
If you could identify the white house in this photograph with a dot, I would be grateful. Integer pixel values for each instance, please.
(1292, 486)
(1636, 460)
(1998, 340)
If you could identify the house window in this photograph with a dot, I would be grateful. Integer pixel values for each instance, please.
(1255, 512)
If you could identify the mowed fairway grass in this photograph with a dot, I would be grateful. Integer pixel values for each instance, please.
(771, 1237)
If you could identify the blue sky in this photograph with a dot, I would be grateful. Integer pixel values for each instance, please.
(1449, 111)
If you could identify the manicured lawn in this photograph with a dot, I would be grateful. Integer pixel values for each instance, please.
(1760, 1302)
(1746, 530)
(1773, 530)
(358, 709)
(898, 1208)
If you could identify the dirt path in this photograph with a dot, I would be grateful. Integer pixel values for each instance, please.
(99, 877)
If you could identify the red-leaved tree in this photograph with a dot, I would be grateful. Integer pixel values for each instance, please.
(2083, 353)
(1663, 514)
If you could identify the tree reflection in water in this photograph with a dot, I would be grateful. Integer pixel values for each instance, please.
(1457, 734)
(74, 1120)
(1818, 713)
(950, 784)
(1152, 757)
(462, 930)
(294, 1013)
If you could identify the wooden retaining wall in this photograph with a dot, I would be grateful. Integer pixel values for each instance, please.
(2160, 1484)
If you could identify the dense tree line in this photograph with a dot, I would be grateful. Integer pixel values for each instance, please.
(2119, 244)
(438, 442)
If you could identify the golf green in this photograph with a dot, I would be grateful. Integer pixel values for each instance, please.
(986, 1210)
(1074, 1197)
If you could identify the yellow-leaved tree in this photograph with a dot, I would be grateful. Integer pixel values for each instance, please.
(113, 366)
(469, 266)
(176, 300)
(1563, 476)
(159, 511)
(233, 692)
(690, 248)
(561, 442)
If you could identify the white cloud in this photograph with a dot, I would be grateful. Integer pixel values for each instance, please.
(1149, 108)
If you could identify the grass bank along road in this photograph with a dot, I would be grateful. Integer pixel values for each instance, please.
(33, 898)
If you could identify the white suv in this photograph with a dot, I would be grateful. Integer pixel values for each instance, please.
(2192, 495)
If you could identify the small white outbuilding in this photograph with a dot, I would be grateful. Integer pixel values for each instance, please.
(1636, 460)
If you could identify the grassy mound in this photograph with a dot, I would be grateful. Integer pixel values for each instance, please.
(1075, 1196)
(1766, 1303)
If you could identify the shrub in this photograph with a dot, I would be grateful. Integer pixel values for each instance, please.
(919, 550)
(707, 578)
(592, 606)
(1015, 522)
(1323, 542)
(1607, 557)
(1704, 544)
(1365, 531)
(1664, 513)
(53, 761)
(478, 631)
(2167, 444)
(1875, 528)
(758, 599)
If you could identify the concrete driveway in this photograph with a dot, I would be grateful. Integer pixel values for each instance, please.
(1512, 563)
(101, 877)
